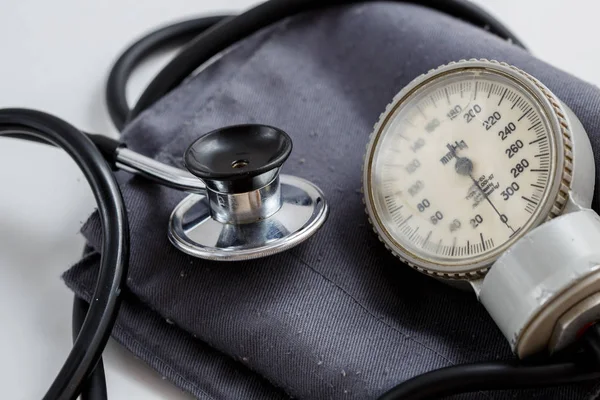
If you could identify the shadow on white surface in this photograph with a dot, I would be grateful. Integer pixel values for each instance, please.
(132, 374)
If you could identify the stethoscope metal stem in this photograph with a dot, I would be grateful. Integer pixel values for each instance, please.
(130, 161)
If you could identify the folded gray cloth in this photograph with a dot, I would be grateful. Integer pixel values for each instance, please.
(337, 317)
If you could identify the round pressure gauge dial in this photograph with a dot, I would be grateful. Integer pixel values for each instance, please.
(464, 161)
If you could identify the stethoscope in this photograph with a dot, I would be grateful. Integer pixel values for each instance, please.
(240, 207)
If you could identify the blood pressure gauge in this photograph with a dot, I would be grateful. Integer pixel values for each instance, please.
(464, 175)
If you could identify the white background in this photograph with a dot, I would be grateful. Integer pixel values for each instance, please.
(54, 56)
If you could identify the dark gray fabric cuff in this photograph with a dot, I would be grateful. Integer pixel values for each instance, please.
(338, 316)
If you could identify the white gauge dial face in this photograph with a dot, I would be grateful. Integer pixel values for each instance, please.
(461, 167)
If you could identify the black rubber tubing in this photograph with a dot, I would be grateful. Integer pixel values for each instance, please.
(94, 388)
(106, 299)
(231, 30)
(116, 85)
(474, 377)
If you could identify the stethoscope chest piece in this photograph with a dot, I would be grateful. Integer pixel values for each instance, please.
(249, 209)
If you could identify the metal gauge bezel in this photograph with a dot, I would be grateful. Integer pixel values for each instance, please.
(553, 199)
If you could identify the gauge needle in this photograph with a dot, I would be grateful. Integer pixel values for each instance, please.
(464, 166)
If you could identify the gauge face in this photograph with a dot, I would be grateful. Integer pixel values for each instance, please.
(460, 167)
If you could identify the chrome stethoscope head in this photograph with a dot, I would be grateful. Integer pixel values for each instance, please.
(240, 207)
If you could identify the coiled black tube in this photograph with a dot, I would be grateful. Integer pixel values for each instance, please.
(181, 32)
(100, 319)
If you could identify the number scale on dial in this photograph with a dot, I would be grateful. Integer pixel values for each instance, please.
(463, 167)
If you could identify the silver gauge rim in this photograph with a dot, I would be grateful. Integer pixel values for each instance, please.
(460, 270)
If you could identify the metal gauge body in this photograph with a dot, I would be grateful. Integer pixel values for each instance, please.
(465, 161)
(477, 172)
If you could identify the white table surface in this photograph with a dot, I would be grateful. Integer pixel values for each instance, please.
(54, 56)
